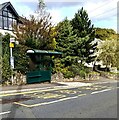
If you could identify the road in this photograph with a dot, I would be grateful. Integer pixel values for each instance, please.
(95, 101)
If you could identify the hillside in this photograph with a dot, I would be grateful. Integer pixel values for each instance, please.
(105, 34)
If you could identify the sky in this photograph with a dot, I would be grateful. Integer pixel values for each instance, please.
(102, 13)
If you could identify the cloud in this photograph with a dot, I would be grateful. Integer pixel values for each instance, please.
(59, 5)
(56, 15)
(21, 7)
(103, 14)
(100, 12)
(59, 14)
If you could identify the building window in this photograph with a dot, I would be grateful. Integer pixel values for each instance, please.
(10, 23)
(0, 21)
(0, 13)
(5, 13)
(9, 15)
(7, 20)
(14, 22)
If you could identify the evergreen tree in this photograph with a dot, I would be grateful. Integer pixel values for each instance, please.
(6, 70)
(84, 30)
(65, 40)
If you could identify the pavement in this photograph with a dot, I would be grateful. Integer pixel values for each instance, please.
(45, 85)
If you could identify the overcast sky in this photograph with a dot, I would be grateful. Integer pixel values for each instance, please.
(103, 13)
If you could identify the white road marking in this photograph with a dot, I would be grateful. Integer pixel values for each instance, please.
(47, 103)
(100, 91)
(2, 113)
(81, 95)
(23, 90)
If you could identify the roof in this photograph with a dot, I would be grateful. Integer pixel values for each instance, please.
(3, 5)
(43, 52)
(6, 4)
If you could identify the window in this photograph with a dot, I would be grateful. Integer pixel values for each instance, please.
(9, 15)
(14, 22)
(5, 21)
(10, 23)
(0, 21)
(0, 12)
(5, 13)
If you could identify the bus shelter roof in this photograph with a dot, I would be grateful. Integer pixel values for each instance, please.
(43, 52)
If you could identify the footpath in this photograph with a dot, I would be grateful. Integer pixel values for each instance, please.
(46, 85)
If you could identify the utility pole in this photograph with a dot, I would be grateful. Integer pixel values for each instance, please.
(11, 45)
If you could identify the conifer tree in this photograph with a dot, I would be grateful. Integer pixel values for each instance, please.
(84, 30)
(65, 39)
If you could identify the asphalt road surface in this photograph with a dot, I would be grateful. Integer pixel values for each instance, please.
(95, 101)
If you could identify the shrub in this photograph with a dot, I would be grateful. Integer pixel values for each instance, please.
(6, 71)
(82, 74)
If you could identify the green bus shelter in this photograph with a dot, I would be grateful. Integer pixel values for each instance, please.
(40, 65)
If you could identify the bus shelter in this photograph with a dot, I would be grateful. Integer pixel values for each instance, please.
(40, 65)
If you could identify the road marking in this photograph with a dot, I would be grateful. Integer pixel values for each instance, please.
(46, 95)
(67, 91)
(100, 91)
(11, 94)
(22, 90)
(47, 103)
(81, 95)
(5, 112)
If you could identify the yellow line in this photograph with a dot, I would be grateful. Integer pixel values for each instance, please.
(47, 103)
(11, 94)
(21, 104)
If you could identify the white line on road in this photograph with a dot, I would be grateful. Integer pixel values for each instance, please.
(23, 90)
(2, 113)
(100, 91)
(47, 103)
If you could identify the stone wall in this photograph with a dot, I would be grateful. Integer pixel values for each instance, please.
(19, 79)
(109, 75)
(58, 77)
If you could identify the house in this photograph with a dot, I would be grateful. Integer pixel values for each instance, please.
(8, 17)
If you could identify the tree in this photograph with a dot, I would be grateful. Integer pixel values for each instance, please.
(6, 70)
(82, 27)
(36, 32)
(117, 52)
(108, 53)
(65, 39)
(105, 34)
(68, 43)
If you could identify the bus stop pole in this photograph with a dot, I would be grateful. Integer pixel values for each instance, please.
(11, 63)
(12, 40)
